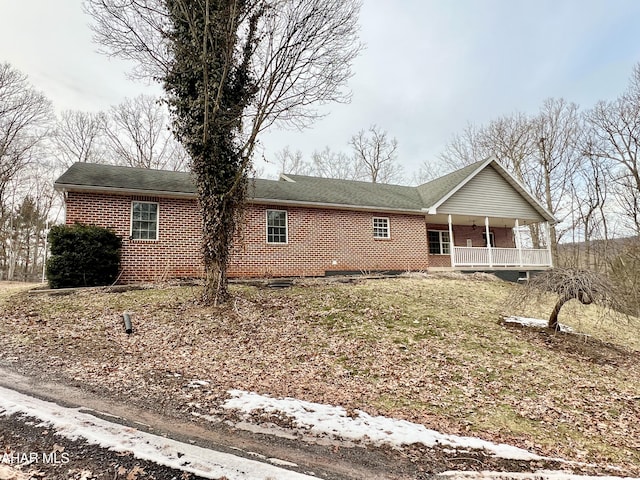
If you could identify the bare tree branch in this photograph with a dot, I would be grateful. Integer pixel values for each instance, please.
(377, 154)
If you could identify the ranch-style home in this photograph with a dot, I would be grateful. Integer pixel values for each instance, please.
(470, 220)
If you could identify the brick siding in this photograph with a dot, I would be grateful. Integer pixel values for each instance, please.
(324, 240)
(176, 252)
(319, 240)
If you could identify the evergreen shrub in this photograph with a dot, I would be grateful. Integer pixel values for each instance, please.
(83, 256)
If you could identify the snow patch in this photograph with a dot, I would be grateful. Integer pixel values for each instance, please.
(320, 419)
(75, 424)
(197, 383)
(535, 323)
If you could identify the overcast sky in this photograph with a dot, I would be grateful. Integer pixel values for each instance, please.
(429, 67)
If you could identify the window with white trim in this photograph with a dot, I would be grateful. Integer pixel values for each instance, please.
(276, 226)
(381, 227)
(144, 220)
(439, 243)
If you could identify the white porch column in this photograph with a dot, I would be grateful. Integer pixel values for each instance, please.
(486, 227)
(518, 242)
(451, 244)
(547, 234)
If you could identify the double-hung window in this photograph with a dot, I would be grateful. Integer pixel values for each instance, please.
(276, 226)
(381, 227)
(144, 221)
(439, 243)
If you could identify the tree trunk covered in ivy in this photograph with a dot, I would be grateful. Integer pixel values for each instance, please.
(209, 86)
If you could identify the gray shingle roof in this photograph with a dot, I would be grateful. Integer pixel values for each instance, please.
(94, 176)
(303, 189)
(330, 191)
(290, 189)
(431, 192)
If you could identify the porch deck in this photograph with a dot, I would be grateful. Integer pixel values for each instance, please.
(495, 257)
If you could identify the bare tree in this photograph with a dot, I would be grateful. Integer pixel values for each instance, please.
(616, 137)
(25, 116)
(259, 63)
(78, 136)
(138, 135)
(429, 170)
(590, 216)
(133, 30)
(557, 126)
(586, 286)
(292, 162)
(329, 164)
(465, 148)
(377, 153)
(510, 139)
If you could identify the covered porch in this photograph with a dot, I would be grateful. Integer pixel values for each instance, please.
(490, 243)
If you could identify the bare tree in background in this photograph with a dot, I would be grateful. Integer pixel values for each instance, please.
(557, 127)
(138, 135)
(329, 164)
(25, 120)
(377, 155)
(259, 63)
(616, 137)
(78, 136)
(509, 139)
(292, 162)
(590, 193)
(465, 148)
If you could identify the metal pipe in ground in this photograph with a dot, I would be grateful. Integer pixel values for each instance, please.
(128, 328)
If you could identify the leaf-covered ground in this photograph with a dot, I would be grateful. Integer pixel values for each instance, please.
(430, 350)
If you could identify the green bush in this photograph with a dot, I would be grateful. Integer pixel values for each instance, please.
(83, 256)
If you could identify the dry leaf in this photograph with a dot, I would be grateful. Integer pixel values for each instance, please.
(134, 472)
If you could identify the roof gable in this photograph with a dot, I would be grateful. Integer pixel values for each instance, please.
(487, 193)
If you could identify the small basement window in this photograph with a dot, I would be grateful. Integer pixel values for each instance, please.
(381, 227)
(144, 221)
(277, 226)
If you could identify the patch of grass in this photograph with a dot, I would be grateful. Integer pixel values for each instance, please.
(430, 350)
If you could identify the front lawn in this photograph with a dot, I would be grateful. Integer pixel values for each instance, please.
(429, 350)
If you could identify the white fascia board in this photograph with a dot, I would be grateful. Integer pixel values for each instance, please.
(121, 191)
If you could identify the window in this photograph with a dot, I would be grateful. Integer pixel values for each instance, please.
(276, 226)
(381, 228)
(491, 237)
(144, 221)
(439, 243)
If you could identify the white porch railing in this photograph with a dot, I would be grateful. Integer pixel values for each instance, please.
(500, 257)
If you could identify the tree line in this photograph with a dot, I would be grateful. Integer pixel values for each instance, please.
(36, 145)
(583, 165)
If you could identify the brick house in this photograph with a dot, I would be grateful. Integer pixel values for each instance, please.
(472, 219)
